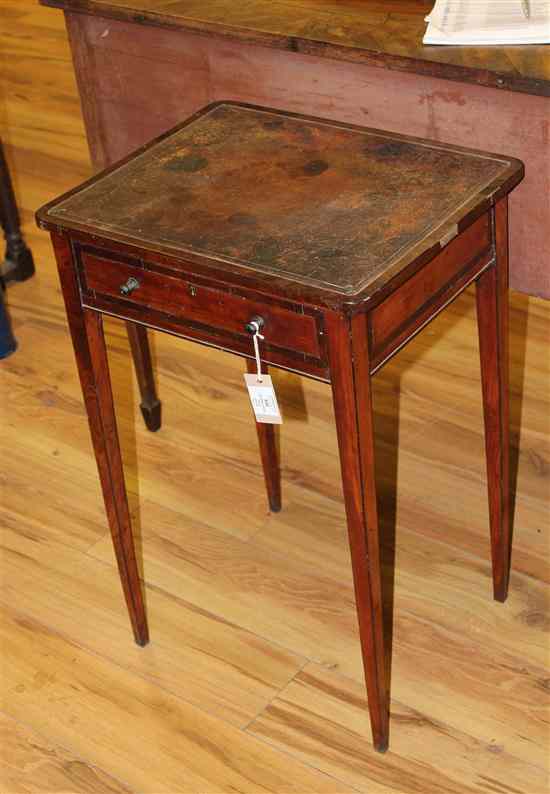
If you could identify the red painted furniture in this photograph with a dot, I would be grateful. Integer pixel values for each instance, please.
(345, 241)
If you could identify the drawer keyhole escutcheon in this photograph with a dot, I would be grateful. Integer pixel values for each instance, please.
(192, 290)
(129, 286)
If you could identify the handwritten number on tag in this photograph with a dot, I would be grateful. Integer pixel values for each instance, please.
(263, 399)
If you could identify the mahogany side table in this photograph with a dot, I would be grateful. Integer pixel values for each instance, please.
(343, 242)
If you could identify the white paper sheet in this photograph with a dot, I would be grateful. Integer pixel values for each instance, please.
(481, 22)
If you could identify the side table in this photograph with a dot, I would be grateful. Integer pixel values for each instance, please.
(341, 242)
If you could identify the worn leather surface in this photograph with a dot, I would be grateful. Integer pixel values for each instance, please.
(327, 205)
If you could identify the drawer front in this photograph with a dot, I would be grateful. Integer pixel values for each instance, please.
(422, 296)
(208, 306)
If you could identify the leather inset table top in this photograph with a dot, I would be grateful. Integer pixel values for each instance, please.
(325, 204)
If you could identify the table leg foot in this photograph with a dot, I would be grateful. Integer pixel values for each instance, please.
(152, 413)
(381, 746)
(142, 641)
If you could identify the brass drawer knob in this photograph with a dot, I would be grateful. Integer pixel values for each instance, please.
(129, 286)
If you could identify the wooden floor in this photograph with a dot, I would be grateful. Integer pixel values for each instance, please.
(252, 681)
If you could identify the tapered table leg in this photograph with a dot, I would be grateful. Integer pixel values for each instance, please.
(351, 389)
(492, 316)
(268, 453)
(150, 404)
(86, 328)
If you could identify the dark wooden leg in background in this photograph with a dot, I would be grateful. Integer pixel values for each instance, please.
(492, 317)
(351, 389)
(18, 262)
(150, 404)
(268, 452)
(86, 328)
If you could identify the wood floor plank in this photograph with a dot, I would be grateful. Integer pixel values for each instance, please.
(454, 658)
(429, 576)
(39, 89)
(270, 594)
(320, 718)
(193, 654)
(33, 765)
(44, 492)
(118, 721)
(204, 459)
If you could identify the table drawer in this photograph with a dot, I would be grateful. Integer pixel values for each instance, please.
(208, 306)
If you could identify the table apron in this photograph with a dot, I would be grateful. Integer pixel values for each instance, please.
(428, 312)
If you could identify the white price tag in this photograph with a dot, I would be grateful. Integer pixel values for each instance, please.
(263, 398)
